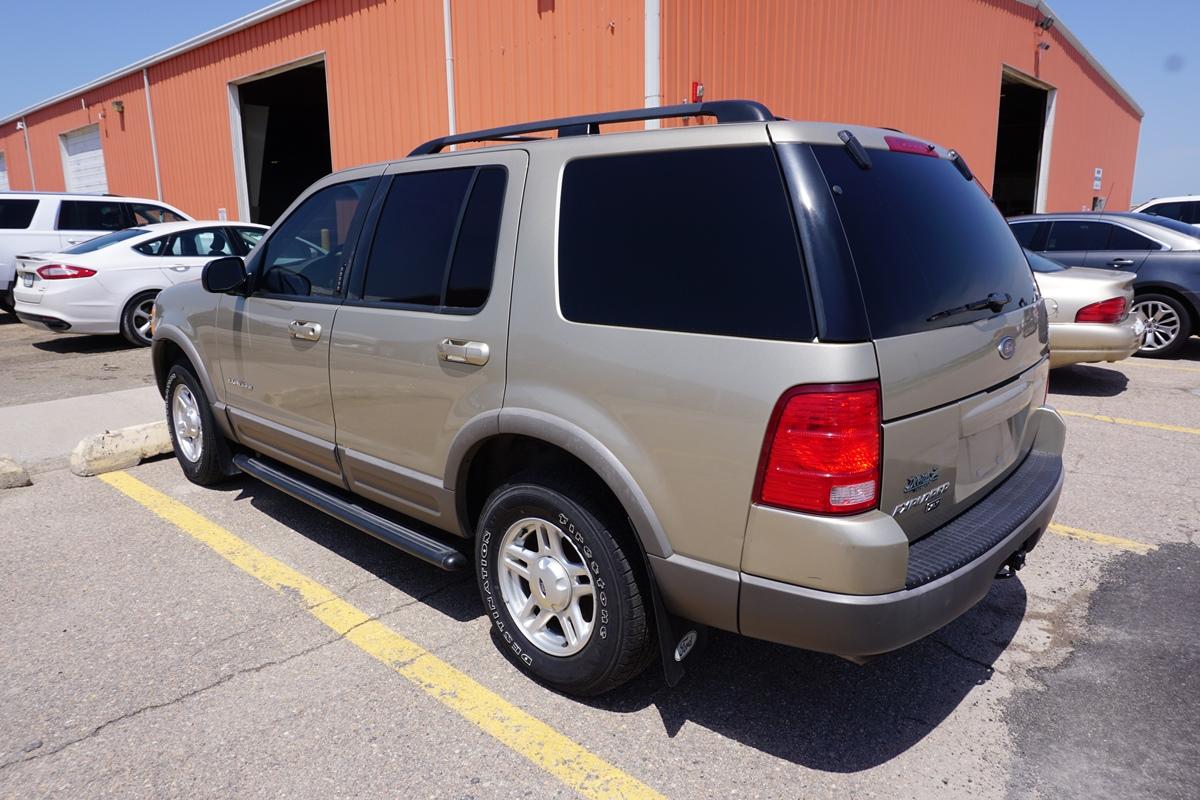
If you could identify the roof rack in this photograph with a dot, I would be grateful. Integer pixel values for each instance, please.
(724, 110)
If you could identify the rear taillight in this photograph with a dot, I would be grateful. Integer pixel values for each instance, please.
(1110, 310)
(59, 272)
(822, 450)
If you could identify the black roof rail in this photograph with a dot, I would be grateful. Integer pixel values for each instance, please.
(586, 124)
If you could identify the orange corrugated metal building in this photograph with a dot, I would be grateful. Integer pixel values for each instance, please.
(397, 72)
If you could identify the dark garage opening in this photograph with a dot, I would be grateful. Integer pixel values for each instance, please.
(285, 137)
(1019, 146)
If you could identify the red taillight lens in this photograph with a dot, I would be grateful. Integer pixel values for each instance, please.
(1110, 310)
(821, 452)
(58, 272)
(902, 145)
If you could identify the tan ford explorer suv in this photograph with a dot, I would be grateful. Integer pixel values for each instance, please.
(780, 378)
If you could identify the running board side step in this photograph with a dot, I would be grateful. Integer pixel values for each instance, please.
(417, 544)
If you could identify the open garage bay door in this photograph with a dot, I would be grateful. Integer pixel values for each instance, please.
(1020, 136)
(83, 161)
(285, 137)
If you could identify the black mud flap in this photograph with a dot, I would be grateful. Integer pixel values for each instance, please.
(678, 638)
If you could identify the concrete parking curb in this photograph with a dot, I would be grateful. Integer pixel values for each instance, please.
(12, 474)
(120, 449)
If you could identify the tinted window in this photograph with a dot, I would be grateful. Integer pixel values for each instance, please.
(305, 254)
(413, 237)
(923, 239)
(687, 240)
(1172, 224)
(1191, 212)
(475, 253)
(207, 242)
(1125, 239)
(1025, 232)
(145, 214)
(1077, 235)
(154, 247)
(1042, 264)
(250, 236)
(100, 242)
(91, 215)
(432, 222)
(1173, 210)
(17, 214)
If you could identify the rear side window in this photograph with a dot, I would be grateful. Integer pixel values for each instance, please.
(1077, 235)
(1026, 233)
(1125, 239)
(145, 214)
(91, 215)
(924, 240)
(435, 243)
(17, 214)
(207, 242)
(699, 241)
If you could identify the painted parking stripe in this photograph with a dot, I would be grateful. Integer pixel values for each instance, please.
(587, 774)
(1137, 423)
(1119, 542)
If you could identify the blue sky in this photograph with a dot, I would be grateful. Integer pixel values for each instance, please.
(1151, 47)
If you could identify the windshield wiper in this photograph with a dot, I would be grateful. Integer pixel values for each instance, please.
(994, 301)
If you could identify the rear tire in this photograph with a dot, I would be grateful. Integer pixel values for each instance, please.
(1168, 321)
(135, 319)
(200, 448)
(575, 613)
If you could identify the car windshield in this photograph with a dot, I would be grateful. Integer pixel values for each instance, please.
(100, 242)
(1042, 264)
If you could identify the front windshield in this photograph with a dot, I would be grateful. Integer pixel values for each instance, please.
(1042, 264)
(100, 242)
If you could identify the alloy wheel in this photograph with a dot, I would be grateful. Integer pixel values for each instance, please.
(1162, 323)
(189, 429)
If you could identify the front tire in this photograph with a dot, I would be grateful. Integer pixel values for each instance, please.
(568, 602)
(1168, 324)
(199, 447)
(135, 319)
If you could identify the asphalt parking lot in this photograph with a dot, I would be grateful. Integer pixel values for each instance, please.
(166, 640)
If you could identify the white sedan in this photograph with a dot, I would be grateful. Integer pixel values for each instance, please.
(108, 284)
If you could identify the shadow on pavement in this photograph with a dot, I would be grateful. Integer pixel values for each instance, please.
(823, 712)
(1082, 380)
(452, 594)
(84, 344)
(808, 708)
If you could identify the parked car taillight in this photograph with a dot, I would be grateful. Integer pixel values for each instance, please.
(58, 272)
(1111, 310)
(822, 450)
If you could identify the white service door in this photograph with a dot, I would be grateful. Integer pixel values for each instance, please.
(83, 161)
(3, 174)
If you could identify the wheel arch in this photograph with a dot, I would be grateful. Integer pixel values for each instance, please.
(512, 440)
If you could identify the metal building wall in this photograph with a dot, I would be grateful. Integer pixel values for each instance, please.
(929, 67)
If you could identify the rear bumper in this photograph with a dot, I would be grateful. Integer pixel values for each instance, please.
(864, 625)
(1086, 342)
(44, 322)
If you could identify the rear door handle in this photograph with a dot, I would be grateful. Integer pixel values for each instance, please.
(457, 351)
(1121, 262)
(309, 331)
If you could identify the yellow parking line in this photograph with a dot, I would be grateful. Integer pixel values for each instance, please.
(1119, 542)
(1159, 426)
(587, 774)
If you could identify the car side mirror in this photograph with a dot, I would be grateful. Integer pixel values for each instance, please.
(224, 275)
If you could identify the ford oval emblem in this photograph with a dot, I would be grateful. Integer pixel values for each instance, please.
(1007, 346)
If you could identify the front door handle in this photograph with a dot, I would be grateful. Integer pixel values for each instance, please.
(1121, 262)
(309, 331)
(76, 241)
(457, 351)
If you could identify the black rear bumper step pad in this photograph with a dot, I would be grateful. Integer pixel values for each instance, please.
(306, 490)
(987, 523)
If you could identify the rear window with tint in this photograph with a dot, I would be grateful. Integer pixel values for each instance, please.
(108, 239)
(17, 214)
(91, 215)
(924, 240)
(698, 240)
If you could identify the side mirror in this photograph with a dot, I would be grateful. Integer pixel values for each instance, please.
(224, 275)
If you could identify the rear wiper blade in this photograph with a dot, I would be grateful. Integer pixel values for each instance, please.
(994, 301)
